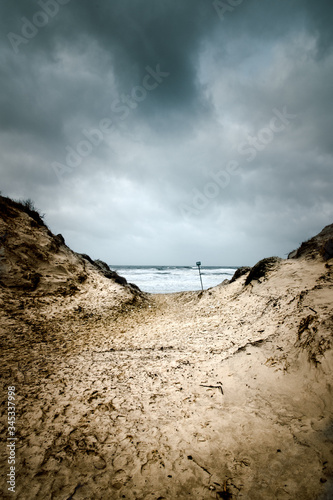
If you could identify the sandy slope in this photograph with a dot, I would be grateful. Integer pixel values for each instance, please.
(225, 394)
(221, 394)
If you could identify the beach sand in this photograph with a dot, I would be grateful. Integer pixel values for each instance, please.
(119, 394)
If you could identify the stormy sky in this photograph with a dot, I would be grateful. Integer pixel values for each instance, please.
(170, 131)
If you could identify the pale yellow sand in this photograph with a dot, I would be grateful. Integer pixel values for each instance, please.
(114, 398)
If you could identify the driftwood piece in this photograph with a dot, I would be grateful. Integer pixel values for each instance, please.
(213, 387)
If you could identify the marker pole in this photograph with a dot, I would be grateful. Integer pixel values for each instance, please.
(199, 264)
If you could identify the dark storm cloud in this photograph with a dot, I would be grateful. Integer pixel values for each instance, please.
(222, 81)
(128, 36)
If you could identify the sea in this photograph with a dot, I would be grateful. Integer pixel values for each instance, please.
(170, 279)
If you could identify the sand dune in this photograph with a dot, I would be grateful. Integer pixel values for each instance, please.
(121, 394)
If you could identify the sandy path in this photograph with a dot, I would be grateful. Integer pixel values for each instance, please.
(120, 406)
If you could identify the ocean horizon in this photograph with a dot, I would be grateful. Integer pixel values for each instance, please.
(171, 279)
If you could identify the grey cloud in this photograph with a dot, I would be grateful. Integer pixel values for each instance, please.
(123, 201)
